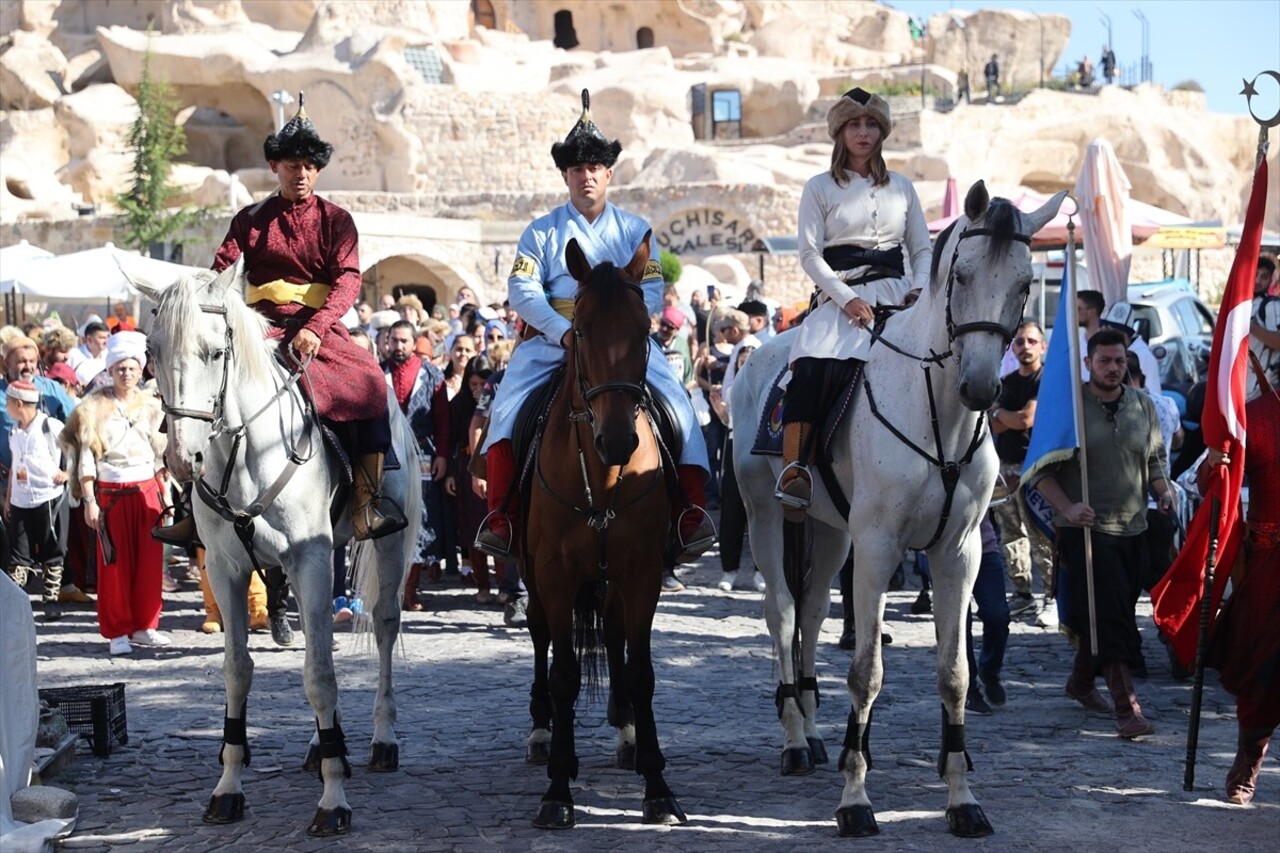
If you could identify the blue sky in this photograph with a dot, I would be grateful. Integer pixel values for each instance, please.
(1214, 43)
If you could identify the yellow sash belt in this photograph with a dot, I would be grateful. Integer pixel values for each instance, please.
(564, 307)
(282, 292)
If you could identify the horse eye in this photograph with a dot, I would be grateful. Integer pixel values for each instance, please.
(577, 333)
(218, 354)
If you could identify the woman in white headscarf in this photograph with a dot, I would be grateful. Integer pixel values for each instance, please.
(116, 455)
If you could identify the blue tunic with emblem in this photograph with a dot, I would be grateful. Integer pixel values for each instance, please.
(540, 275)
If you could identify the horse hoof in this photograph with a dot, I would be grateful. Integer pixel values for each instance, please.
(625, 757)
(330, 822)
(384, 758)
(663, 810)
(225, 808)
(553, 815)
(797, 761)
(856, 822)
(968, 821)
(818, 749)
(537, 753)
(311, 763)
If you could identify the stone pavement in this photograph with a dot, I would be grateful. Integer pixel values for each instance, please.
(1050, 777)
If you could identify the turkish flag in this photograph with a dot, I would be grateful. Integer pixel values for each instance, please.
(1178, 595)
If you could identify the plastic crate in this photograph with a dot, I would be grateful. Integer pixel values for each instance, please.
(95, 712)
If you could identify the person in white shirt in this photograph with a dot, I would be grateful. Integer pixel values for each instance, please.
(93, 353)
(35, 487)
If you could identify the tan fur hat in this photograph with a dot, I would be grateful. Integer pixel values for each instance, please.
(859, 102)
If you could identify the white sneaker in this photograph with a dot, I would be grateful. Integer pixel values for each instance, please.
(761, 586)
(726, 581)
(1048, 615)
(120, 646)
(149, 637)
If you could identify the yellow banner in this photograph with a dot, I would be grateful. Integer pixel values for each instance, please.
(1187, 237)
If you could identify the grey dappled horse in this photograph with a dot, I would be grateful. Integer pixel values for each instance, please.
(239, 425)
(940, 356)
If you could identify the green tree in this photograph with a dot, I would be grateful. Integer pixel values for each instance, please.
(156, 140)
(671, 266)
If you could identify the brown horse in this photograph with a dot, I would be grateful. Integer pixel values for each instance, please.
(597, 521)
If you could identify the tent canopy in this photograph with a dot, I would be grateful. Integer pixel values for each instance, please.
(93, 275)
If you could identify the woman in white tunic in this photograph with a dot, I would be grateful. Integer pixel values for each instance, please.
(863, 242)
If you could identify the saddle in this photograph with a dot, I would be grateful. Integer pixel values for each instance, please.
(768, 440)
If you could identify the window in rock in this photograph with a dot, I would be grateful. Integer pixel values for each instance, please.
(726, 114)
(482, 10)
(427, 62)
(566, 37)
(644, 38)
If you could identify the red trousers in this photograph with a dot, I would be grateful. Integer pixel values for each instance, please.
(129, 587)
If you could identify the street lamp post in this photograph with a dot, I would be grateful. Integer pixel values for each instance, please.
(282, 99)
(1145, 69)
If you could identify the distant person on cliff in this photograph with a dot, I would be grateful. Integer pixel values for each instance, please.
(962, 86)
(1108, 65)
(991, 73)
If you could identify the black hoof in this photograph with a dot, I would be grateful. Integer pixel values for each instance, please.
(225, 808)
(330, 822)
(818, 749)
(552, 815)
(384, 757)
(797, 761)
(311, 763)
(625, 757)
(856, 822)
(968, 821)
(537, 753)
(663, 810)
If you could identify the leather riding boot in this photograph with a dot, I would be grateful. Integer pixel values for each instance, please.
(1080, 684)
(374, 515)
(1242, 778)
(259, 620)
(410, 602)
(212, 615)
(496, 536)
(181, 533)
(1129, 720)
(695, 531)
(795, 483)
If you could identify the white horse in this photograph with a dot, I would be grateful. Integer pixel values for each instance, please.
(271, 494)
(917, 424)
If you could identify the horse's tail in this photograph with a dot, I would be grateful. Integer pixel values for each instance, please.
(588, 634)
(795, 553)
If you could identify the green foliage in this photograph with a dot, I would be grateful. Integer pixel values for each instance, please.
(671, 266)
(895, 88)
(155, 140)
(1188, 86)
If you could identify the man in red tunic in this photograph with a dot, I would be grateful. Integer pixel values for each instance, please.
(303, 274)
(1246, 642)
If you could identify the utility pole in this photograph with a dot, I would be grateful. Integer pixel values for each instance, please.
(1145, 68)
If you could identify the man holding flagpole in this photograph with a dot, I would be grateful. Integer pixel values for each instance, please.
(1125, 459)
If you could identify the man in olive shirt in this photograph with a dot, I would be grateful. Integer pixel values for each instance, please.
(1126, 458)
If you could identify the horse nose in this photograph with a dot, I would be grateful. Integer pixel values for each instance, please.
(616, 449)
(978, 396)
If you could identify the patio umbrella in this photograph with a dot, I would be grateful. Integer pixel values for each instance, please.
(14, 258)
(93, 275)
(951, 199)
(1102, 190)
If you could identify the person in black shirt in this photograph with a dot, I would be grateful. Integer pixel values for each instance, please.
(1011, 420)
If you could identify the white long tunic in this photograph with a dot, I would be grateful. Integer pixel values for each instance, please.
(856, 214)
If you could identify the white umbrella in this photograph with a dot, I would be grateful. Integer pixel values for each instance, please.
(14, 258)
(93, 275)
(1102, 190)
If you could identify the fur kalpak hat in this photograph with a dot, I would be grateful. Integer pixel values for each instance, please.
(298, 140)
(585, 143)
(859, 102)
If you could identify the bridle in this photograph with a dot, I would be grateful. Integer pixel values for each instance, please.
(588, 393)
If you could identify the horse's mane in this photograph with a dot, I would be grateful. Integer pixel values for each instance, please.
(1001, 218)
(605, 286)
(180, 319)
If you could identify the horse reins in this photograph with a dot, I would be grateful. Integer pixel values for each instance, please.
(949, 471)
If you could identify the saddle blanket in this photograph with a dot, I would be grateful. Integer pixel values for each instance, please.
(768, 440)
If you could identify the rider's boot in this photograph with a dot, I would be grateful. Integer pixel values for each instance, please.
(694, 529)
(373, 515)
(496, 535)
(795, 484)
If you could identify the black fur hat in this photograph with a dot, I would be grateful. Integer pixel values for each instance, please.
(585, 143)
(298, 140)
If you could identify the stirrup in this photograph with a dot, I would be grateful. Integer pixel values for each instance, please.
(489, 541)
(181, 533)
(379, 523)
(787, 499)
(704, 536)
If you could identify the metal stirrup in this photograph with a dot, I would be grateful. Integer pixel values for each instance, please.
(791, 501)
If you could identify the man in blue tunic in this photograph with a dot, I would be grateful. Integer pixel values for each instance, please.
(541, 290)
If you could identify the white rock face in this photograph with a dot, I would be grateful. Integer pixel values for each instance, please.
(30, 68)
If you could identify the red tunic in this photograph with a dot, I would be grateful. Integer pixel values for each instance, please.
(312, 241)
(1246, 643)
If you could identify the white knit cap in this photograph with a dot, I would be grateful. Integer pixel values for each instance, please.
(124, 345)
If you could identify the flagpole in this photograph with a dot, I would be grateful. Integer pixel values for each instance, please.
(1197, 690)
(1077, 408)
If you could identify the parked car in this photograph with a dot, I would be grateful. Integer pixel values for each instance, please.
(1046, 287)
(1175, 324)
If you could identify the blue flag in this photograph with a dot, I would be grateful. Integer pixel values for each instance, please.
(1053, 438)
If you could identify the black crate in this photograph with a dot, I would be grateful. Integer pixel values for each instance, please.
(96, 712)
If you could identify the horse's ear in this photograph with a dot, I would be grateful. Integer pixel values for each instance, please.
(640, 260)
(145, 287)
(1047, 211)
(975, 203)
(231, 275)
(576, 261)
